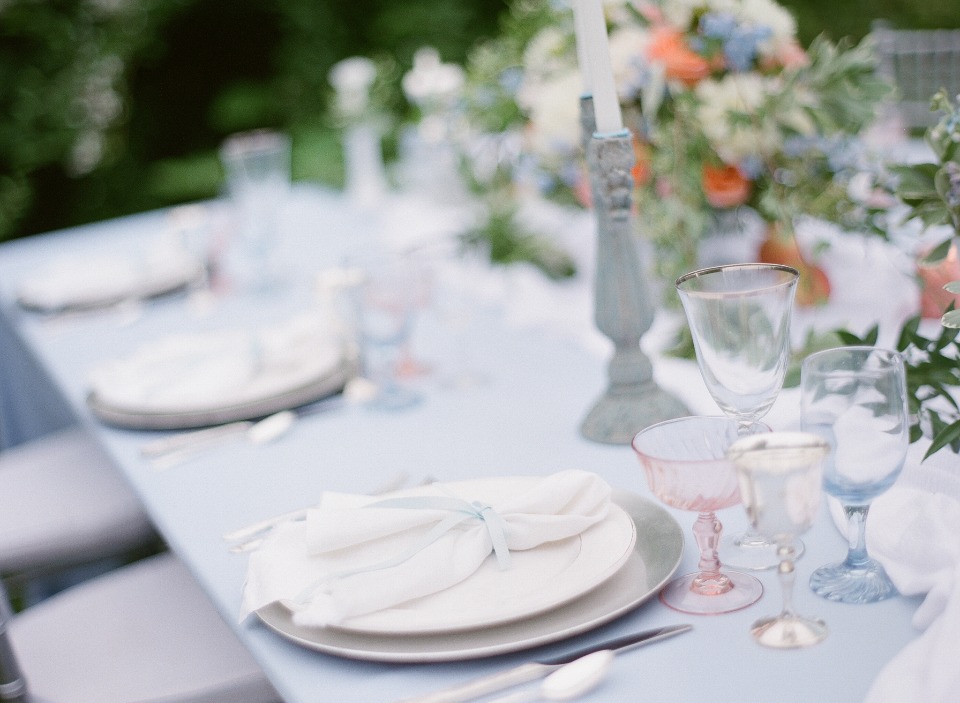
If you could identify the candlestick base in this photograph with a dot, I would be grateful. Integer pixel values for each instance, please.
(631, 402)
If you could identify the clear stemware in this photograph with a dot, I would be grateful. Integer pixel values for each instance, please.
(257, 166)
(386, 297)
(856, 399)
(739, 318)
(780, 484)
(686, 467)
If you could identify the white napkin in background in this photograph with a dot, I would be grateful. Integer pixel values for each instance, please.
(103, 279)
(341, 535)
(186, 372)
(914, 531)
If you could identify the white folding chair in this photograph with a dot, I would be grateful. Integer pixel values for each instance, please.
(144, 633)
(919, 62)
(62, 505)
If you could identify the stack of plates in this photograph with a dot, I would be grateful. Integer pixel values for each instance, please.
(193, 380)
(92, 282)
(554, 591)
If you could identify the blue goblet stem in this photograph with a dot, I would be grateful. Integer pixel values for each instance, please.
(857, 556)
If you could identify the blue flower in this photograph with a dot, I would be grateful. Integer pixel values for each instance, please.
(740, 48)
(718, 25)
(751, 166)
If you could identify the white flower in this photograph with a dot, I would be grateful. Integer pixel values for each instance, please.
(628, 47)
(352, 79)
(430, 79)
(554, 115)
(547, 54)
(723, 105)
(767, 13)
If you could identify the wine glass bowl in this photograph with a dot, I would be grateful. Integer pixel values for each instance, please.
(856, 399)
(685, 464)
(739, 319)
(780, 476)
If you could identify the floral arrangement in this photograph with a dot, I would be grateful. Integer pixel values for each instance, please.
(932, 190)
(726, 107)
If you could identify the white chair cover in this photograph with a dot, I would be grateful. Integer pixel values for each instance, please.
(61, 504)
(144, 633)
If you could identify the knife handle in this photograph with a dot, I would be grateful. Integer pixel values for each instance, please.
(485, 684)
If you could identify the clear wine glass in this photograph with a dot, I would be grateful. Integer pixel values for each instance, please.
(739, 318)
(686, 467)
(257, 167)
(386, 298)
(856, 399)
(780, 485)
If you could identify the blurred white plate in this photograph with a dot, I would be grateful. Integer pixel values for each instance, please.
(191, 380)
(100, 281)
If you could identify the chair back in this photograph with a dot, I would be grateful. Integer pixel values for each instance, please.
(919, 62)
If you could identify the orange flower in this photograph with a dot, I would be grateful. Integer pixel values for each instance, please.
(641, 171)
(725, 186)
(680, 62)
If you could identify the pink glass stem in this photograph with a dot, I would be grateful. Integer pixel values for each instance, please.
(710, 581)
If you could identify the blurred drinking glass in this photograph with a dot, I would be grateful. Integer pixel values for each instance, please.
(257, 169)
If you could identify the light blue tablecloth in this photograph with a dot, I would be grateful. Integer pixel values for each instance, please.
(523, 419)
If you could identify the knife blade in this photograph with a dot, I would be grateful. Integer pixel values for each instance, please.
(530, 671)
(197, 440)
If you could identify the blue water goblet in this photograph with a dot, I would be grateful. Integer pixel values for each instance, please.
(856, 399)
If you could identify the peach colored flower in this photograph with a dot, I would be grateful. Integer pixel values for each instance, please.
(641, 171)
(725, 186)
(680, 62)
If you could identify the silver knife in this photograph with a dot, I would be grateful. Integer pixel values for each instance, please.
(531, 671)
(195, 440)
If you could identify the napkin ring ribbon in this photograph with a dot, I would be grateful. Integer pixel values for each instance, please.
(462, 511)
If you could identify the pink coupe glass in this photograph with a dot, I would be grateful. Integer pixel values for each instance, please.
(686, 467)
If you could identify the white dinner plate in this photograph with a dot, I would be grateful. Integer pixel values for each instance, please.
(101, 281)
(192, 380)
(537, 580)
(655, 557)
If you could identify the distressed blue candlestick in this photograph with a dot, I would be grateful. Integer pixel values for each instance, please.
(623, 306)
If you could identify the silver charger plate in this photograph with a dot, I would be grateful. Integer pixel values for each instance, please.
(656, 556)
(143, 419)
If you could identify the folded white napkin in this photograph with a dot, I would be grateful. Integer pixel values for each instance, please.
(189, 372)
(103, 279)
(912, 530)
(361, 554)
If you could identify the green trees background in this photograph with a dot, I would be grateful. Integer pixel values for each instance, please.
(115, 106)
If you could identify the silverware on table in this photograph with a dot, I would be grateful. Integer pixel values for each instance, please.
(531, 671)
(168, 451)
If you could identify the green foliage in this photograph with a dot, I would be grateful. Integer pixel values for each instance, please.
(933, 379)
(110, 107)
(507, 241)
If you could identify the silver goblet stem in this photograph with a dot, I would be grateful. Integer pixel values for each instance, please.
(623, 306)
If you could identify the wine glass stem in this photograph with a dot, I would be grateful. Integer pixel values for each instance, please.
(707, 531)
(856, 533)
(787, 577)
